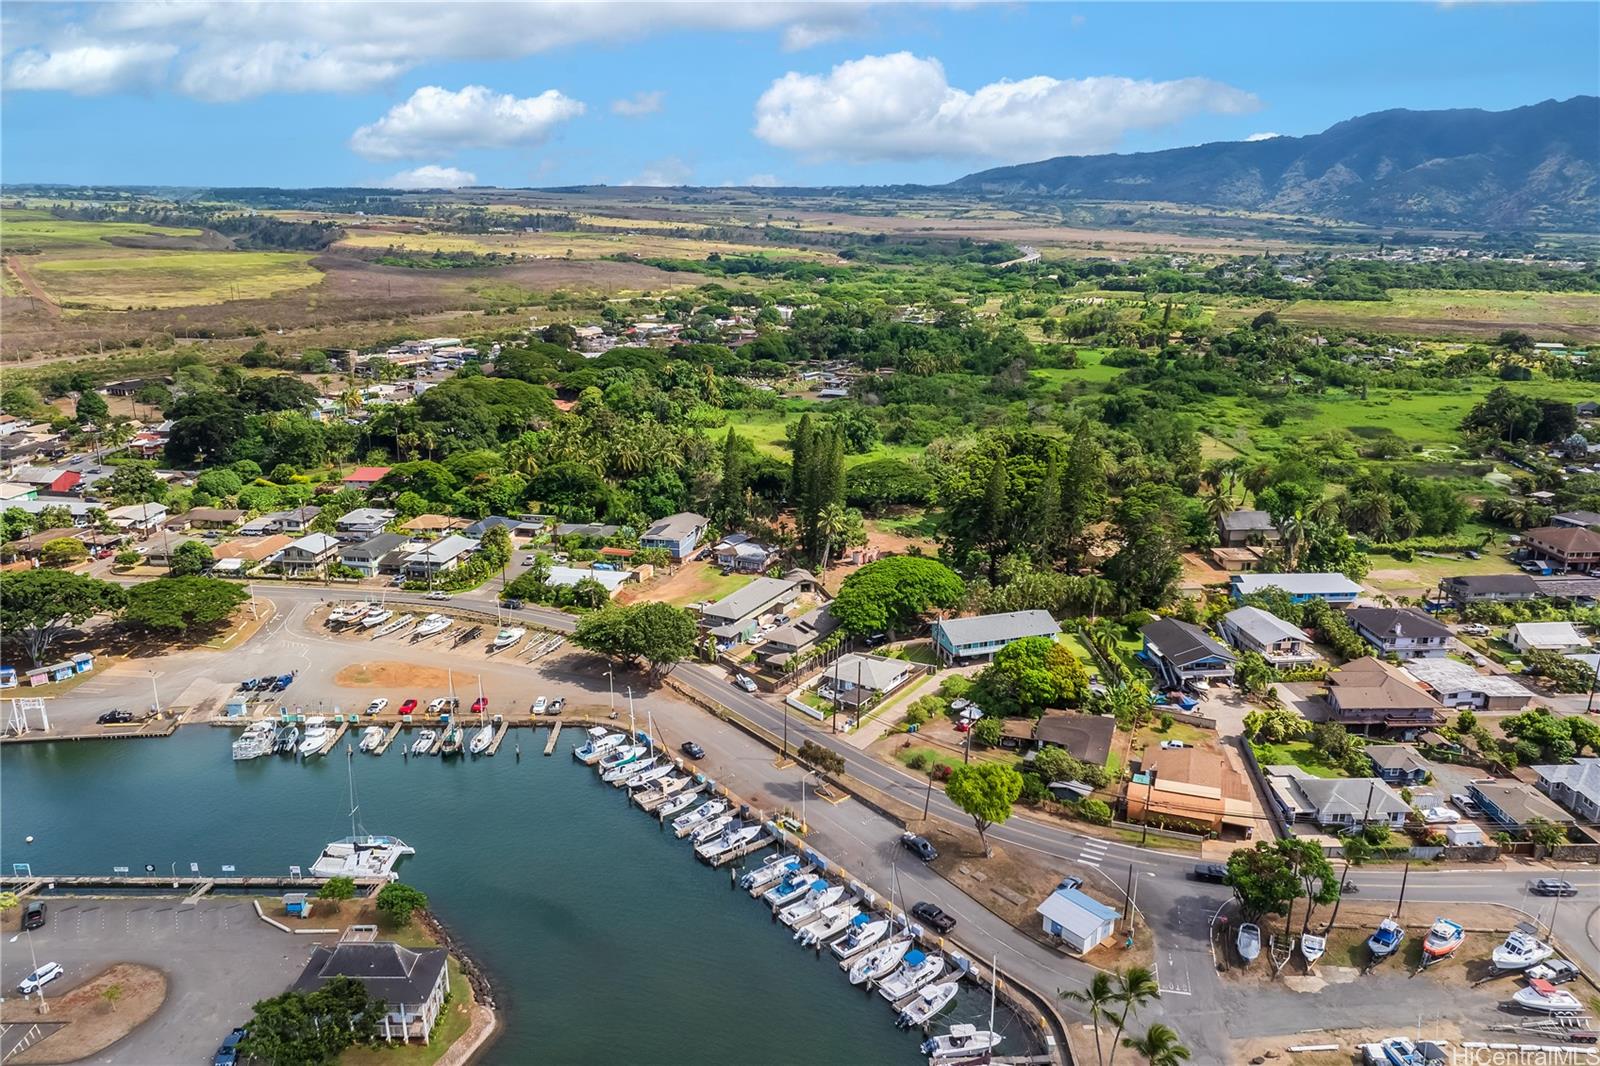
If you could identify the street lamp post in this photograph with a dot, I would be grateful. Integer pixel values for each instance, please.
(156, 695)
(611, 691)
(1149, 789)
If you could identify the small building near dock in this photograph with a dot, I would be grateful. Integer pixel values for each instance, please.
(1079, 921)
(411, 984)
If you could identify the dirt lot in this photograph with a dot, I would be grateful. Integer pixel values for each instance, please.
(406, 676)
(93, 1022)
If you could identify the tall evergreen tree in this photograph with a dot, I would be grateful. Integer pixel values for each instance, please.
(996, 515)
(1083, 493)
(800, 460)
(730, 499)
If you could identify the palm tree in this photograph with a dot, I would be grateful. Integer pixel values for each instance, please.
(831, 523)
(1159, 1046)
(1218, 503)
(1097, 999)
(1136, 986)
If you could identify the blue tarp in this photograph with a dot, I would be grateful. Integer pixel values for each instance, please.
(859, 920)
(914, 957)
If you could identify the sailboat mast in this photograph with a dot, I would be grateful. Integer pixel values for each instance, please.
(350, 774)
(994, 985)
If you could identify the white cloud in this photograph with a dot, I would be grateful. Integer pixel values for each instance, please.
(901, 106)
(89, 69)
(763, 181)
(431, 177)
(639, 104)
(437, 120)
(227, 50)
(1263, 136)
(669, 170)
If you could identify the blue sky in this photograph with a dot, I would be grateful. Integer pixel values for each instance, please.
(791, 93)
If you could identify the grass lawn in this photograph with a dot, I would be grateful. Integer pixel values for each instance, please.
(953, 759)
(1090, 369)
(920, 652)
(1081, 652)
(174, 279)
(1299, 753)
(1466, 306)
(38, 230)
(1428, 571)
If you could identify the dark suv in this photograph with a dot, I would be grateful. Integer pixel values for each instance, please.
(1214, 872)
(228, 1053)
(932, 917)
(919, 846)
(33, 915)
(1551, 886)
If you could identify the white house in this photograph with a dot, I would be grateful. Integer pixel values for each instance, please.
(1562, 637)
(444, 554)
(1574, 785)
(1335, 588)
(1281, 644)
(854, 679)
(412, 985)
(1401, 631)
(966, 640)
(1079, 921)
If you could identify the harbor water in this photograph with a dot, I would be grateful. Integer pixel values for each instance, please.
(604, 938)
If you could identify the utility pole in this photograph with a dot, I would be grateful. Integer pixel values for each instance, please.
(927, 799)
(1149, 790)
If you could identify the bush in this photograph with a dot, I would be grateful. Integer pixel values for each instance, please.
(1094, 811)
(1034, 789)
(338, 888)
(1166, 723)
(918, 761)
(942, 771)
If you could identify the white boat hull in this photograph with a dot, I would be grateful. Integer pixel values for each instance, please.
(927, 1006)
(1557, 1002)
(906, 980)
(712, 829)
(879, 961)
(852, 945)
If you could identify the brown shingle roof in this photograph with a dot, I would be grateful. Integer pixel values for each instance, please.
(1566, 538)
(1367, 684)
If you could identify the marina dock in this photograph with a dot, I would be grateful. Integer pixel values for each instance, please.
(191, 885)
(499, 735)
(550, 745)
(388, 738)
(438, 741)
(333, 741)
(763, 841)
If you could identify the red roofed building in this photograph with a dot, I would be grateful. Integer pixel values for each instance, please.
(364, 477)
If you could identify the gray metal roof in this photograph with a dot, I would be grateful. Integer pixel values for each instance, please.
(1182, 643)
(992, 628)
(1262, 626)
(748, 600)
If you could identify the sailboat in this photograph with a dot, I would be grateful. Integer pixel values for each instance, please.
(1442, 940)
(620, 773)
(645, 778)
(452, 740)
(482, 738)
(967, 1041)
(371, 737)
(360, 854)
(1522, 949)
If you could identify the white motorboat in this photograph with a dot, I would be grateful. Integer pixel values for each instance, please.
(917, 970)
(600, 741)
(1545, 998)
(315, 735)
(925, 1007)
(1385, 940)
(481, 739)
(371, 737)
(1521, 950)
(827, 925)
(1249, 941)
(424, 742)
(434, 623)
(822, 895)
(962, 1041)
(1442, 940)
(286, 741)
(348, 612)
(1312, 947)
(879, 961)
(377, 618)
(711, 829)
(621, 756)
(791, 888)
(1398, 1051)
(648, 777)
(255, 741)
(772, 868)
(682, 801)
(864, 933)
(618, 774)
(665, 786)
(730, 841)
(397, 625)
(683, 823)
(508, 637)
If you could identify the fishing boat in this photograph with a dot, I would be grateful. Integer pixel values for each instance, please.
(397, 625)
(600, 741)
(371, 737)
(1398, 1051)
(772, 868)
(481, 739)
(255, 741)
(433, 623)
(287, 739)
(961, 1042)
(665, 786)
(452, 740)
(621, 756)
(1442, 940)
(314, 737)
(712, 829)
(508, 637)
(822, 895)
(864, 933)
(618, 774)
(917, 970)
(791, 888)
(646, 778)
(879, 961)
(827, 925)
(361, 854)
(1385, 940)
(706, 811)
(377, 618)
(732, 839)
(1521, 950)
(348, 612)
(1312, 947)
(1543, 997)
(424, 742)
(1248, 941)
(682, 801)
(932, 1000)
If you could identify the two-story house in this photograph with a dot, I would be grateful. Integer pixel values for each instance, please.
(1284, 646)
(368, 555)
(1239, 529)
(363, 522)
(1574, 785)
(1400, 631)
(677, 534)
(734, 617)
(976, 639)
(309, 554)
(447, 553)
(1488, 588)
(1565, 547)
(1180, 652)
(743, 554)
(1396, 763)
(1366, 693)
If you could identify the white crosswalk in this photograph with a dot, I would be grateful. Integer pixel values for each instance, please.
(1091, 852)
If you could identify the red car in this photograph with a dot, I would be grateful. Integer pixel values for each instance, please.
(480, 705)
(408, 706)
(962, 727)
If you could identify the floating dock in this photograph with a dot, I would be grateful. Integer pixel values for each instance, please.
(388, 738)
(499, 735)
(555, 733)
(763, 841)
(333, 741)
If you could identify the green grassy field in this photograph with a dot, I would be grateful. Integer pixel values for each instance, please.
(765, 429)
(1299, 753)
(173, 279)
(37, 230)
(1454, 305)
(1089, 369)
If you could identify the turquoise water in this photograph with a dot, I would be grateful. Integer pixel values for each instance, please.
(605, 939)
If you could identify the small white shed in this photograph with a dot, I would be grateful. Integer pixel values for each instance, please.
(1079, 921)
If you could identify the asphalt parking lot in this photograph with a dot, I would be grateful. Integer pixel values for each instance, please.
(219, 959)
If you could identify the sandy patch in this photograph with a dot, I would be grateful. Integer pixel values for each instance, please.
(89, 1022)
(401, 676)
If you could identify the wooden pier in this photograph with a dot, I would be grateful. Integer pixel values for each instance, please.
(661, 799)
(555, 733)
(388, 738)
(499, 735)
(192, 886)
(122, 731)
(438, 741)
(333, 741)
(763, 841)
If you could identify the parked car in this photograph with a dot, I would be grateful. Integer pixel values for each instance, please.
(408, 706)
(228, 1053)
(283, 682)
(745, 682)
(1475, 629)
(40, 977)
(539, 705)
(1214, 872)
(1168, 744)
(33, 915)
(377, 705)
(115, 717)
(1553, 886)
(1465, 803)
(919, 846)
(932, 917)
(693, 750)
(513, 605)
(557, 705)
(248, 685)
(480, 705)
(1556, 971)
(437, 594)
(442, 704)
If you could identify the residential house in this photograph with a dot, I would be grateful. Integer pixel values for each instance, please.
(744, 554)
(368, 555)
(365, 477)
(1241, 529)
(11, 490)
(1560, 637)
(855, 679)
(978, 638)
(1335, 802)
(163, 548)
(252, 551)
(1284, 646)
(1564, 547)
(412, 984)
(1190, 785)
(48, 480)
(571, 575)
(1081, 922)
(1488, 588)
(1366, 692)
(310, 553)
(1086, 737)
(677, 534)
(1396, 763)
(1513, 805)
(131, 386)
(797, 636)
(296, 521)
(30, 546)
(206, 518)
(733, 618)
(587, 531)
(1574, 785)
(1181, 652)
(1236, 560)
(433, 524)
(138, 517)
(1401, 631)
(78, 509)
(444, 554)
(1334, 588)
(1576, 519)
(149, 444)
(363, 522)
(1455, 684)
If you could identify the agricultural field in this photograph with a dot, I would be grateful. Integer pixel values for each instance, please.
(1572, 314)
(172, 279)
(28, 231)
(582, 245)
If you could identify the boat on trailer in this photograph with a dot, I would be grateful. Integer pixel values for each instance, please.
(1248, 941)
(1312, 947)
(1543, 997)
(1385, 940)
(1521, 950)
(1444, 936)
